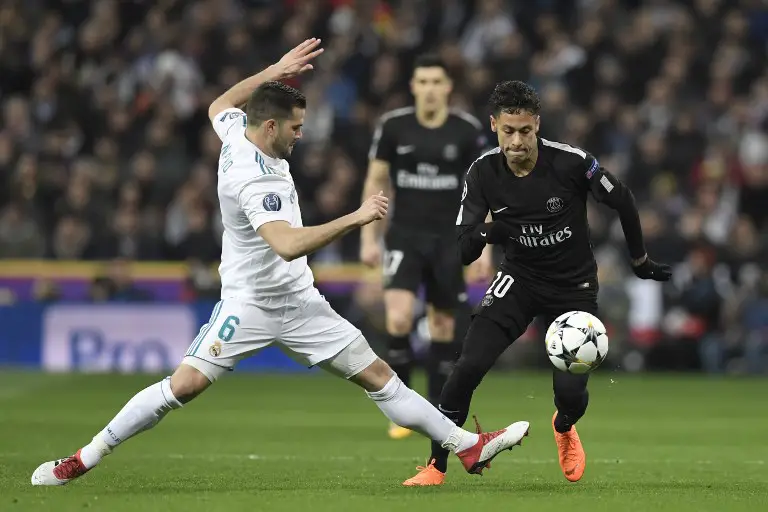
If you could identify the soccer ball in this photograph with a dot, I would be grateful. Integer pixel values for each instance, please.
(576, 342)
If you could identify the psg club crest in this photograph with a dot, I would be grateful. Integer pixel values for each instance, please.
(272, 202)
(554, 204)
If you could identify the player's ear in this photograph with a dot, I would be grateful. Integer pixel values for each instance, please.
(538, 123)
(493, 124)
(270, 126)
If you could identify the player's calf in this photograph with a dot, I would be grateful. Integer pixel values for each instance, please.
(142, 412)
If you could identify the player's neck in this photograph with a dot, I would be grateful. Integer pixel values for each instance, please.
(432, 118)
(524, 168)
(256, 138)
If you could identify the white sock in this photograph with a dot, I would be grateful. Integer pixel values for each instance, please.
(141, 413)
(408, 409)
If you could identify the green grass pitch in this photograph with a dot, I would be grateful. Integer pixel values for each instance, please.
(314, 443)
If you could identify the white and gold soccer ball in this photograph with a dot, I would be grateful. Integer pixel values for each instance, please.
(576, 342)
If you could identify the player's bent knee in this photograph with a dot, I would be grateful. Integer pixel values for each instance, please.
(354, 359)
(441, 325)
(187, 382)
(399, 323)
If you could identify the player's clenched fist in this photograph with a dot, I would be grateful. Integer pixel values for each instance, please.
(374, 208)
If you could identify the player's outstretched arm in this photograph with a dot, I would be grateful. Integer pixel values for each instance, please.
(293, 63)
(291, 243)
(611, 191)
(370, 234)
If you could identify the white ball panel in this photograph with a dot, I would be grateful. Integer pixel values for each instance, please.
(559, 364)
(602, 345)
(579, 368)
(580, 319)
(572, 339)
(554, 345)
(587, 353)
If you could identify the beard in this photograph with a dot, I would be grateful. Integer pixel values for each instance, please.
(284, 149)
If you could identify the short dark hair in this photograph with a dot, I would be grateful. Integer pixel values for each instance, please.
(513, 97)
(430, 60)
(273, 100)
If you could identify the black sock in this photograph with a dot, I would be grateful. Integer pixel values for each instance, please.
(562, 423)
(440, 361)
(440, 454)
(400, 357)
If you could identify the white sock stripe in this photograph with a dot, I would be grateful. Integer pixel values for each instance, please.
(170, 398)
(388, 391)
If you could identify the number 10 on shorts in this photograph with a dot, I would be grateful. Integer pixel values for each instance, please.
(500, 285)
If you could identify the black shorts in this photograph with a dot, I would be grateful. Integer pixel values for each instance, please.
(514, 304)
(413, 259)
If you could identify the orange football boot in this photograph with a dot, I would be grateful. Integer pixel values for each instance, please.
(573, 460)
(428, 475)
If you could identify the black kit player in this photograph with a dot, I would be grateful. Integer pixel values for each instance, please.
(536, 191)
(421, 154)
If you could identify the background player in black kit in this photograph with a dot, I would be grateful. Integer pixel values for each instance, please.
(536, 191)
(420, 154)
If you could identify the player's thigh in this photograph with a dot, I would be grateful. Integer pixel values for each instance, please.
(403, 262)
(502, 316)
(509, 303)
(554, 304)
(444, 277)
(235, 331)
(399, 305)
(312, 331)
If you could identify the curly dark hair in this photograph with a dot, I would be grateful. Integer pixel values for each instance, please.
(513, 97)
(273, 100)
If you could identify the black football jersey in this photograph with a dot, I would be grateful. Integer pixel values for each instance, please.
(545, 210)
(427, 166)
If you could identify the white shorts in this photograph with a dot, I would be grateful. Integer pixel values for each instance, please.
(304, 325)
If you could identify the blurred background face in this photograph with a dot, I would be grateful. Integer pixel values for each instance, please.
(516, 134)
(430, 88)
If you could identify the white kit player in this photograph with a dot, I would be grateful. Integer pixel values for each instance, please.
(267, 292)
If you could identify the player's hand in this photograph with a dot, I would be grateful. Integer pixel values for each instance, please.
(649, 269)
(495, 232)
(297, 60)
(370, 254)
(374, 208)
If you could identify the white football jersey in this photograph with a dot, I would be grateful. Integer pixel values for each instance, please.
(254, 189)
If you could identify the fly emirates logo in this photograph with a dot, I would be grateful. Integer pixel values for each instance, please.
(533, 236)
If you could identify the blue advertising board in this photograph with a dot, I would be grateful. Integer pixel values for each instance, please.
(128, 338)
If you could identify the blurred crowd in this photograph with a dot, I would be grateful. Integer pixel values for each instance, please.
(106, 150)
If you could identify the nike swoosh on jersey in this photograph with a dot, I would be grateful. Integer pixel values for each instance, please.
(500, 209)
(401, 150)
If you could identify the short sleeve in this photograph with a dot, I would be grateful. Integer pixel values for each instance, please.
(266, 199)
(227, 120)
(474, 208)
(383, 144)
